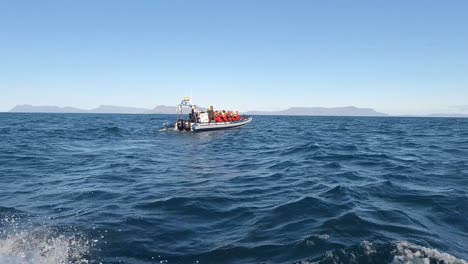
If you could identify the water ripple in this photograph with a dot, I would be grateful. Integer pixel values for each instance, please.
(114, 189)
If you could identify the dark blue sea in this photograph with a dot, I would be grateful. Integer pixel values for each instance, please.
(85, 188)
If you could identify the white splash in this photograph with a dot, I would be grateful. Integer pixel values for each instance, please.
(324, 237)
(410, 253)
(32, 247)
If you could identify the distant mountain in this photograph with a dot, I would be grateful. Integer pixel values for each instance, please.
(322, 111)
(164, 109)
(112, 109)
(103, 109)
(45, 109)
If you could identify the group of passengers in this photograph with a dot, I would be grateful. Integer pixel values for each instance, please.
(223, 116)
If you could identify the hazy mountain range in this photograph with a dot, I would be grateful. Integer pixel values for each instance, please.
(323, 111)
(163, 109)
(103, 109)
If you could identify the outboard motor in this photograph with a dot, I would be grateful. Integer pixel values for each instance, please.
(187, 125)
(180, 124)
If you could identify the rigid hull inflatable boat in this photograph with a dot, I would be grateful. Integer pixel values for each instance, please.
(202, 120)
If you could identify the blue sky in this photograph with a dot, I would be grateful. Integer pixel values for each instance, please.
(394, 56)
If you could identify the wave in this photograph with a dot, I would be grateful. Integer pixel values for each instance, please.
(401, 252)
(111, 131)
(42, 247)
(23, 243)
(209, 208)
(307, 251)
(300, 149)
(92, 132)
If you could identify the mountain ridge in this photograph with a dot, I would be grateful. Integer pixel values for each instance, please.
(322, 111)
(165, 109)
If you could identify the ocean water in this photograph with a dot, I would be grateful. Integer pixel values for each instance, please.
(83, 188)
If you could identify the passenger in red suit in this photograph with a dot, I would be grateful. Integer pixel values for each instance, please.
(217, 117)
(236, 116)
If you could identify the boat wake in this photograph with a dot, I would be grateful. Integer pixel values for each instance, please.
(167, 128)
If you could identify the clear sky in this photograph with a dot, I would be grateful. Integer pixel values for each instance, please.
(395, 56)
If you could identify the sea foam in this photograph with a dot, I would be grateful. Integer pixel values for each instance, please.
(22, 242)
(410, 253)
(41, 248)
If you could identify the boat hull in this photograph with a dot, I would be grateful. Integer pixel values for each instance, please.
(221, 125)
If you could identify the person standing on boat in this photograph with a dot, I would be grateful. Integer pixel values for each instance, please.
(210, 114)
(192, 116)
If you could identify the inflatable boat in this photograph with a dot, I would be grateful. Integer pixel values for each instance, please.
(198, 127)
(199, 120)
